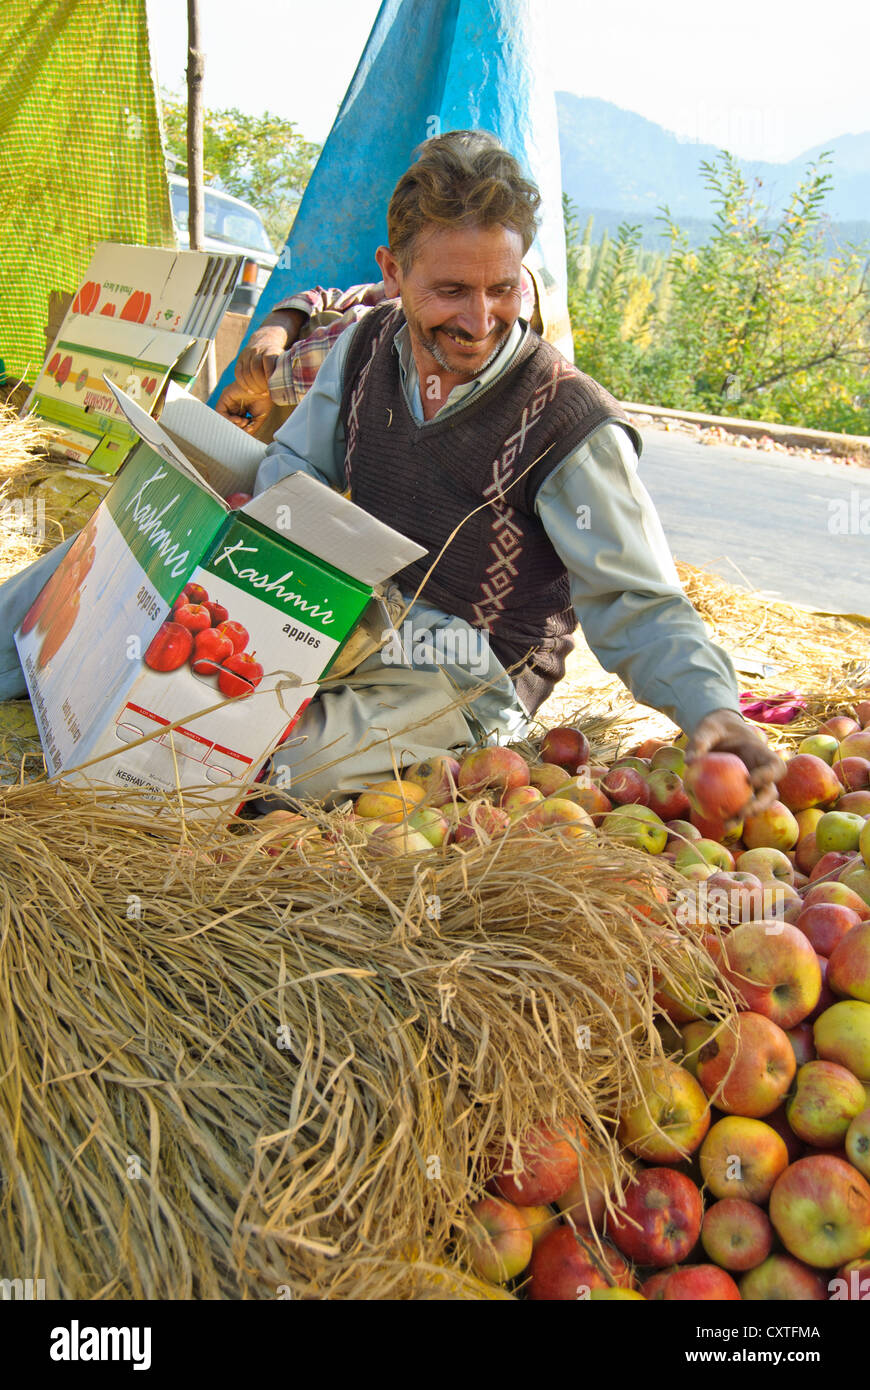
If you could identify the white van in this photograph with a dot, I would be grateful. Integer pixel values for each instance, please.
(233, 226)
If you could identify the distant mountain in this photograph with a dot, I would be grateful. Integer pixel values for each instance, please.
(622, 166)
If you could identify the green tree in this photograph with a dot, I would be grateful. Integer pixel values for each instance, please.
(263, 159)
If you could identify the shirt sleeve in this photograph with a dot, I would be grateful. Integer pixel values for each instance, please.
(624, 584)
(312, 439)
(319, 300)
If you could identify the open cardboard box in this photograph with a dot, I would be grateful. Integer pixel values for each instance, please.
(108, 664)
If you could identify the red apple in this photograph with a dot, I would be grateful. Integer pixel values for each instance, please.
(830, 863)
(837, 893)
(547, 1165)
(585, 1201)
(777, 1120)
(854, 773)
(802, 1044)
(567, 747)
(736, 1234)
(856, 802)
(773, 828)
(438, 777)
(825, 924)
(808, 781)
(625, 786)
(774, 970)
(653, 1288)
(566, 1269)
(196, 593)
(588, 797)
(194, 616)
(849, 964)
(852, 1281)
(666, 1207)
(747, 1071)
(237, 634)
(494, 767)
(548, 777)
(219, 614)
(555, 813)
(210, 650)
(667, 796)
(839, 726)
(718, 785)
(820, 1209)
(240, 674)
(170, 647)
(500, 1242)
(855, 745)
(479, 822)
(238, 499)
(695, 1283)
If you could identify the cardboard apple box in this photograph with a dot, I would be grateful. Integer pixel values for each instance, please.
(108, 666)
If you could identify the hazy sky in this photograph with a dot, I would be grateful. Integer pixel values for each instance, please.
(766, 78)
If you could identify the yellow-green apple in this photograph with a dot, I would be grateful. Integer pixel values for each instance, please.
(540, 1221)
(837, 893)
(766, 864)
(640, 765)
(555, 813)
(864, 842)
(773, 969)
(747, 1069)
(566, 746)
(781, 1279)
(547, 777)
(700, 1283)
(852, 1281)
(547, 1164)
(670, 758)
(858, 1142)
(742, 1157)
(518, 800)
(718, 785)
(636, 825)
(706, 852)
(429, 821)
(438, 778)
(827, 996)
(391, 839)
(682, 830)
(736, 1234)
(496, 768)
(839, 726)
(564, 1268)
(820, 1209)
(590, 798)
(667, 796)
(686, 994)
(614, 1294)
(856, 802)
(855, 745)
(822, 746)
(825, 1101)
(694, 1034)
(773, 828)
(825, 924)
(842, 1034)
(660, 1219)
(625, 786)
(389, 801)
(849, 964)
(808, 781)
(853, 773)
(499, 1242)
(802, 1045)
(671, 1118)
(480, 821)
(839, 830)
(857, 875)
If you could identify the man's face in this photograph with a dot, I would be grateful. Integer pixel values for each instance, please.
(461, 296)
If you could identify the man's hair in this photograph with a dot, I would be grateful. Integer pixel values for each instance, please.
(462, 179)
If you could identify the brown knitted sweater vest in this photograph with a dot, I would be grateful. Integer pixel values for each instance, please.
(500, 572)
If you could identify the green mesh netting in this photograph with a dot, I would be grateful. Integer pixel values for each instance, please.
(81, 158)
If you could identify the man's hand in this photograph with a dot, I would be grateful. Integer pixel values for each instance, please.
(259, 358)
(243, 408)
(725, 731)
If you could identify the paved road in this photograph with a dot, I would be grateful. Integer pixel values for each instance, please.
(770, 520)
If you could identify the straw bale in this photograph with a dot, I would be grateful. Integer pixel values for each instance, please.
(228, 1074)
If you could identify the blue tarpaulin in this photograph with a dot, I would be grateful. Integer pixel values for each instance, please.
(429, 66)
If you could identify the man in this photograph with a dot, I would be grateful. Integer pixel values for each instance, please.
(446, 416)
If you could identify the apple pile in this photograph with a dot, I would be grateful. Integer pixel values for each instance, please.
(199, 632)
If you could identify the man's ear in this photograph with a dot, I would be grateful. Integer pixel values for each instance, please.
(390, 271)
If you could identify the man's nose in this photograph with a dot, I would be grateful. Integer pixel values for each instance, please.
(477, 318)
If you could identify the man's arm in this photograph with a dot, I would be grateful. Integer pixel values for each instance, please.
(627, 597)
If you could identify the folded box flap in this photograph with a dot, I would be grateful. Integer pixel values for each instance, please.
(328, 525)
(148, 429)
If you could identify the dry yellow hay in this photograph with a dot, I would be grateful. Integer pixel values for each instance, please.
(227, 1074)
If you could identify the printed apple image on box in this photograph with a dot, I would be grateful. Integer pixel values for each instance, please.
(178, 642)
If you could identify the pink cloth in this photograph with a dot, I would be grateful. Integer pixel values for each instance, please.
(773, 709)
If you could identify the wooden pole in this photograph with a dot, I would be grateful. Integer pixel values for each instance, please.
(195, 74)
